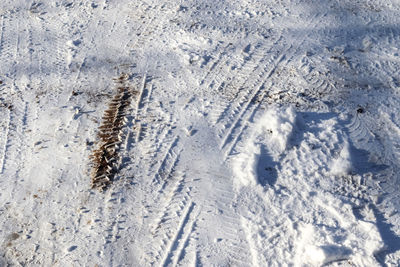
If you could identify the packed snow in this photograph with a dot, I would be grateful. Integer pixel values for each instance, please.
(199, 133)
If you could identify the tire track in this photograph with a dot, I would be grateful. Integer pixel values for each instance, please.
(217, 67)
(148, 95)
(37, 35)
(392, 145)
(237, 81)
(13, 157)
(227, 232)
(185, 228)
(18, 109)
(318, 82)
(177, 226)
(253, 99)
(249, 98)
(106, 159)
(168, 162)
(114, 199)
(9, 41)
(156, 127)
(236, 245)
(117, 212)
(77, 56)
(141, 106)
(4, 134)
(185, 246)
(169, 190)
(365, 135)
(174, 198)
(359, 131)
(141, 125)
(133, 127)
(164, 136)
(167, 196)
(204, 21)
(140, 96)
(46, 30)
(238, 88)
(154, 26)
(167, 232)
(117, 29)
(2, 36)
(251, 102)
(252, 245)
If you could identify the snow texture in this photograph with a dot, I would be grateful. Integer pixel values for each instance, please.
(220, 133)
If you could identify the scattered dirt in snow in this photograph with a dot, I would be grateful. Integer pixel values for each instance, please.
(106, 159)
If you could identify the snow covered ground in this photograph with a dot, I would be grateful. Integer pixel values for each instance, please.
(257, 133)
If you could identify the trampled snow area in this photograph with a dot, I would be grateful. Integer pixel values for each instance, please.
(223, 133)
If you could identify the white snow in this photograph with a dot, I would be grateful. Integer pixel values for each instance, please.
(259, 133)
(268, 139)
(298, 208)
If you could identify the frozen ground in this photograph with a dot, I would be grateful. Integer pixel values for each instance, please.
(256, 133)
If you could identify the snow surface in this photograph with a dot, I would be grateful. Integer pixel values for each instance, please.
(260, 133)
